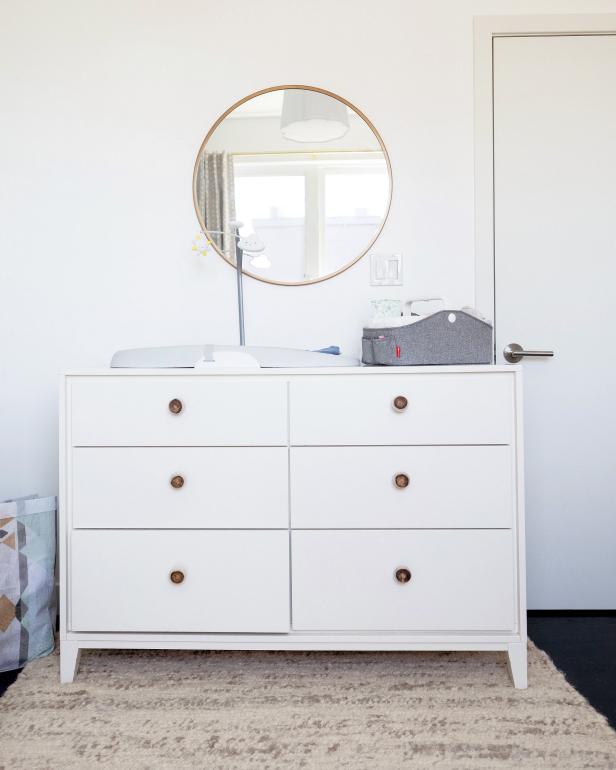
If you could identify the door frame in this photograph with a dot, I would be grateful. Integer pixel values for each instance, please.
(485, 30)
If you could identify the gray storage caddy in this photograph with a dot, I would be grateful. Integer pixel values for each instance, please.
(446, 337)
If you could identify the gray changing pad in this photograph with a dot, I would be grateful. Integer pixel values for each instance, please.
(446, 337)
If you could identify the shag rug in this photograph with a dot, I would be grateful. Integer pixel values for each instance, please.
(325, 710)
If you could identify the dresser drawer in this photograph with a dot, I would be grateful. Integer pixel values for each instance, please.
(461, 580)
(233, 581)
(402, 487)
(143, 411)
(175, 487)
(440, 409)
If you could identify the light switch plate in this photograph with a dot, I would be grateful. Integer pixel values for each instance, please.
(385, 269)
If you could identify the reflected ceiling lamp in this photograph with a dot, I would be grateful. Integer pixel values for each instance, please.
(311, 116)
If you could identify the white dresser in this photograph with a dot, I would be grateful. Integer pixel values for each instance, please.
(344, 509)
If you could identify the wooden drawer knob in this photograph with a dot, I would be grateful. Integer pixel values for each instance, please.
(177, 576)
(400, 403)
(175, 406)
(403, 575)
(401, 480)
(177, 482)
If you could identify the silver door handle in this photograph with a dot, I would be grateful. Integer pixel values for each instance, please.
(514, 353)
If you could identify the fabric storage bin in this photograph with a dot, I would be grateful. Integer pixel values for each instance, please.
(446, 337)
(27, 579)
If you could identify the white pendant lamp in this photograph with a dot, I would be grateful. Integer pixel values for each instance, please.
(310, 116)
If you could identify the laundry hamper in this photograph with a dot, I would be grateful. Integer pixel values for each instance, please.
(27, 579)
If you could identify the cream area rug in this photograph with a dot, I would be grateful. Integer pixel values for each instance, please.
(246, 710)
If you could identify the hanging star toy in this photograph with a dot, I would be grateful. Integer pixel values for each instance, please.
(201, 243)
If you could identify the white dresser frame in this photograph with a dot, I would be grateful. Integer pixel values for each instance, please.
(514, 643)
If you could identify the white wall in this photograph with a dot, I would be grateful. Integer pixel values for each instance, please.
(104, 105)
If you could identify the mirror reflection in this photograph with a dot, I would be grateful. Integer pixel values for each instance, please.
(301, 170)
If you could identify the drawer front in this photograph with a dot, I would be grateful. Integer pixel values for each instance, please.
(127, 411)
(171, 488)
(233, 581)
(460, 580)
(441, 409)
(402, 487)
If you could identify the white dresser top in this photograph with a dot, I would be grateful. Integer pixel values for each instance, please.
(380, 371)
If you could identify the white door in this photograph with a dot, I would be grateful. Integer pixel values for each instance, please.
(555, 289)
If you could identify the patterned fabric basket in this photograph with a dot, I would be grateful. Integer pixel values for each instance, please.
(27, 581)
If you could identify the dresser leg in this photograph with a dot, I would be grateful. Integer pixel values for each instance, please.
(69, 661)
(518, 664)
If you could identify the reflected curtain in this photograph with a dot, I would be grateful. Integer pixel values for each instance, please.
(216, 198)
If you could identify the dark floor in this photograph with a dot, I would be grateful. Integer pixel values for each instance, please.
(582, 645)
(7, 678)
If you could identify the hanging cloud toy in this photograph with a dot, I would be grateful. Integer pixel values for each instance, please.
(251, 244)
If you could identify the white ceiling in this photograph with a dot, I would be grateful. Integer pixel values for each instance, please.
(266, 105)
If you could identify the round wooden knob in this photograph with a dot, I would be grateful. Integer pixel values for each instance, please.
(403, 575)
(400, 403)
(177, 576)
(401, 480)
(177, 482)
(175, 406)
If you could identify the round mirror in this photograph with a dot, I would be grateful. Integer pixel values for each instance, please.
(301, 176)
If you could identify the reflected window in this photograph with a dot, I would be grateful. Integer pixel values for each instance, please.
(353, 191)
(309, 208)
(273, 207)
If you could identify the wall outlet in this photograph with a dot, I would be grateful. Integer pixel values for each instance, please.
(386, 269)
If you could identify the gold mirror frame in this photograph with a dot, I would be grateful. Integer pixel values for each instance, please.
(385, 155)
